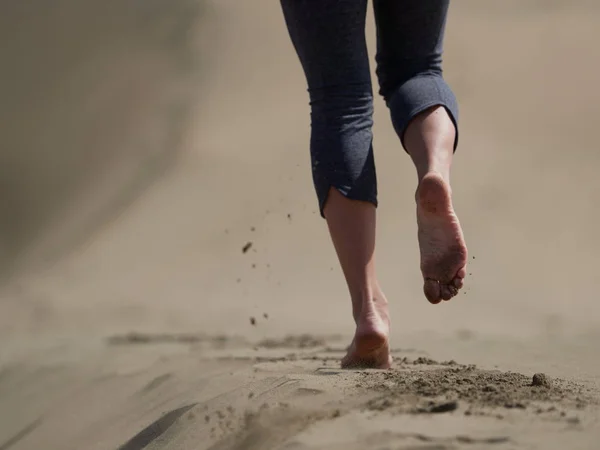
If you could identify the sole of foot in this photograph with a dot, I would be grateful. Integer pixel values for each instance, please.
(441, 241)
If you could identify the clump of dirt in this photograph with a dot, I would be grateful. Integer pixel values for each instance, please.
(408, 389)
(424, 361)
(433, 407)
(421, 360)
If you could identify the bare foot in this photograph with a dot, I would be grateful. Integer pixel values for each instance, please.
(370, 346)
(443, 249)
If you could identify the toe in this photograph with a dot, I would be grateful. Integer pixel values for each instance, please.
(457, 283)
(431, 288)
(447, 291)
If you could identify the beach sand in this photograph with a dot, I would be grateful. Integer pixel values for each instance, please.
(168, 284)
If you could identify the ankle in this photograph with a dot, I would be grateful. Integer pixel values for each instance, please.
(443, 172)
(365, 300)
(360, 301)
(429, 140)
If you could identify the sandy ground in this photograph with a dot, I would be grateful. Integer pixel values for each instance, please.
(143, 148)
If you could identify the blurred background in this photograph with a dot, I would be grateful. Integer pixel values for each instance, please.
(143, 144)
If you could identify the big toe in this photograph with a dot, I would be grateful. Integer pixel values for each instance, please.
(432, 291)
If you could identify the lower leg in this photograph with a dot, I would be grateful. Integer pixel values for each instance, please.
(429, 139)
(410, 37)
(351, 224)
(329, 38)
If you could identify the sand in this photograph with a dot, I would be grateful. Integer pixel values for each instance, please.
(167, 283)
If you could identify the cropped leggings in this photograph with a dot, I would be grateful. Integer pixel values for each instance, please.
(329, 39)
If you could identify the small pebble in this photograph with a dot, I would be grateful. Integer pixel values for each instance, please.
(540, 379)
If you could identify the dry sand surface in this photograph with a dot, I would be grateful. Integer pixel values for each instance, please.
(167, 283)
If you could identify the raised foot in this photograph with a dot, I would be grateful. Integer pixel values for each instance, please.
(441, 241)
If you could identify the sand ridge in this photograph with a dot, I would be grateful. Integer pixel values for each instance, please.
(297, 389)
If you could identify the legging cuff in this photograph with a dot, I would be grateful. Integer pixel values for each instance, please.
(324, 187)
(418, 94)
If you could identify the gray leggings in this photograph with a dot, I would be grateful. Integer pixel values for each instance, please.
(329, 38)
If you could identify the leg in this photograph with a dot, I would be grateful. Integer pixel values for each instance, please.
(328, 36)
(424, 113)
